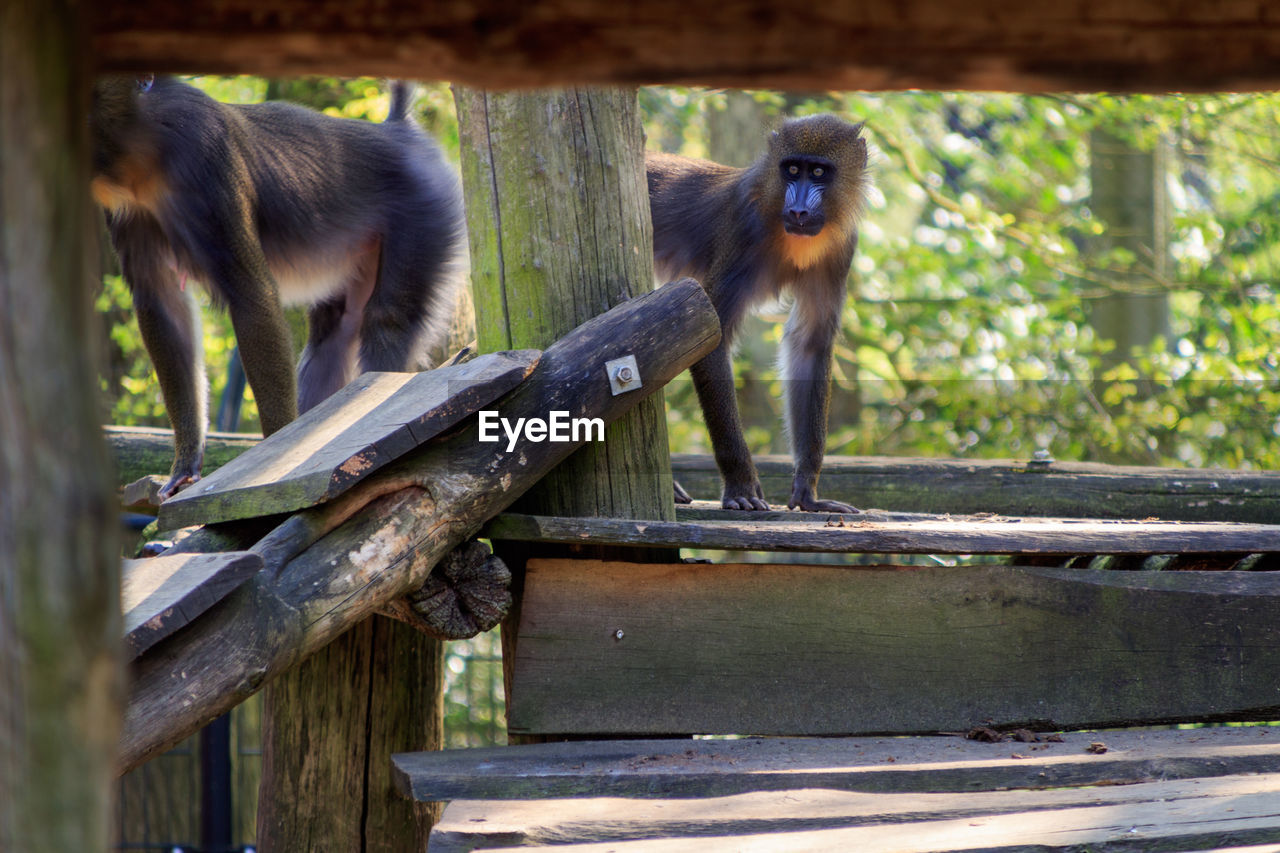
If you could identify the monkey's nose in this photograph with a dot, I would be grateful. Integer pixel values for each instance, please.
(800, 215)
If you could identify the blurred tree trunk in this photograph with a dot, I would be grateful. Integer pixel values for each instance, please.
(1130, 198)
(60, 627)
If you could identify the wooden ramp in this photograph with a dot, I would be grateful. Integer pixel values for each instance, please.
(1129, 790)
(374, 420)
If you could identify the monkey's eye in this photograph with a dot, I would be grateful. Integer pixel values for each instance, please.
(793, 169)
(818, 171)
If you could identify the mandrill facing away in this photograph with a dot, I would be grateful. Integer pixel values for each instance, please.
(271, 204)
(787, 222)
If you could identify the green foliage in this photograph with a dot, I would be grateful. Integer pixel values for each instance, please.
(968, 333)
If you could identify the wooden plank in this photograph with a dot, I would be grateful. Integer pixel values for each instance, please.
(161, 594)
(376, 419)
(1116, 45)
(1187, 824)
(794, 649)
(470, 824)
(820, 532)
(879, 765)
(1013, 487)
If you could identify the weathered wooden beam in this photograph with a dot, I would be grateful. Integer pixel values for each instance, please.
(1160, 813)
(641, 649)
(717, 768)
(1012, 487)
(825, 533)
(430, 502)
(1114, 45)
(161, 594)
(142, 451)
(900, 484)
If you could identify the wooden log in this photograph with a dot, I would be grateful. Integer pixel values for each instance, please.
(60, 679)
(142, 451)
(918, 765)
(1114, 811)
(641, 649)
(162, 594)
(823, 533)
(374, 420)
(1012, 487)
(1137, 45)
(431, 501)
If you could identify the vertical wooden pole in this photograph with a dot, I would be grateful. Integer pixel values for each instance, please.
(60, 677)
(329, 728)
(1128, 194)
(558, 216)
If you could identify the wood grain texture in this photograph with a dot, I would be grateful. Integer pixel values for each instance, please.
(1230, 808)
(1013, 487)
(374, 420)
(1114, 45)
(658, 769)
(60, 673)
(161, 594)
(821, 532)
(770, 649)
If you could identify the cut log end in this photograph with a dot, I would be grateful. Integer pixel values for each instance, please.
(468, 593)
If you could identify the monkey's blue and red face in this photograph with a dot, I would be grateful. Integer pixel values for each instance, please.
(805, 180)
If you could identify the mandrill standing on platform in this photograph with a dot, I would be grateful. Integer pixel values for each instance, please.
(271, 204)
(788, 222)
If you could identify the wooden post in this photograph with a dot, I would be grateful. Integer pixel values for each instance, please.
(60, 677)
(1128, 195)
(558, 213)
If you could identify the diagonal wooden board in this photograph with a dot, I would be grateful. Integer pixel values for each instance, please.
(374, 420)
(162, 594)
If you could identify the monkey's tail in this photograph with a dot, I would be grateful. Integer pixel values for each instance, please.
(401, 99)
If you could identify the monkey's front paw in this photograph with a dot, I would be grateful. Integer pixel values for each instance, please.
(682, 497)
(804, 499)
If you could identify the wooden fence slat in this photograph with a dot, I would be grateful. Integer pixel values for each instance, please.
(1015, 487)
(372, 421)
(161, 594)
(821, 532)
(879, 765)
(471, 824)
(795, 649)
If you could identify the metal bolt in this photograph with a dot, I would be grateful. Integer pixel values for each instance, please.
(618, 634)
(625, 375)
(1040, 459)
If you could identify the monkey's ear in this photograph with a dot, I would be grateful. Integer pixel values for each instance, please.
(857, 128)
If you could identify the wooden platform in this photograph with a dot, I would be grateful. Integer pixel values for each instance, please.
(884, 533)
(1113, 790)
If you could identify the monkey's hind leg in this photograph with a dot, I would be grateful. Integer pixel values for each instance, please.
(412, 303)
